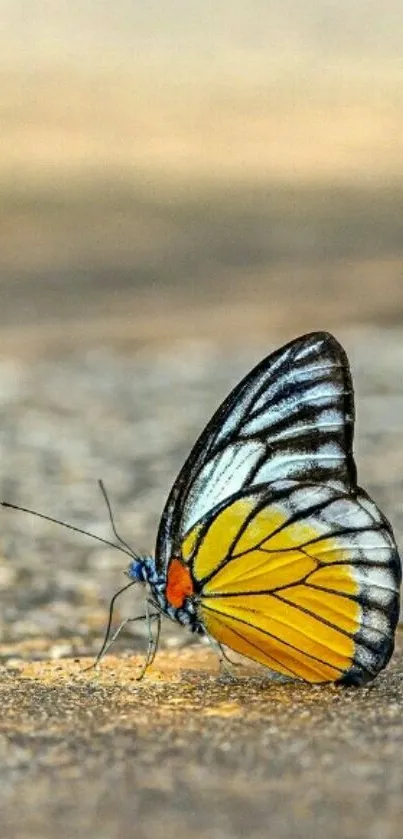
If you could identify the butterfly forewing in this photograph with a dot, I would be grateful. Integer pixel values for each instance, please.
(292, 417)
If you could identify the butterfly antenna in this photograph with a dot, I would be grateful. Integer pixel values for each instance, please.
(121, 547)
(112, 521)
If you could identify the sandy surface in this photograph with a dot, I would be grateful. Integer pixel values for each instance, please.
(183, 754)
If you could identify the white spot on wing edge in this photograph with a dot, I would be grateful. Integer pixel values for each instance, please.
(346, 513)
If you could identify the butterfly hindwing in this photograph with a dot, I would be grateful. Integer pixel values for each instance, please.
(292, 417)
(307, 582)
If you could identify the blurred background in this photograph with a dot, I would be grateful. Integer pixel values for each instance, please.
(183, 185)
(159, 158)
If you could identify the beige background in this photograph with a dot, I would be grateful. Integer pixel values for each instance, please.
(168, 157)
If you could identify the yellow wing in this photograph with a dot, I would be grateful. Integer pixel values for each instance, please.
(304, 579)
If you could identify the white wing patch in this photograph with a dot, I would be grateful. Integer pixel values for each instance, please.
(310, 373)
(219, 479)
(284, 466)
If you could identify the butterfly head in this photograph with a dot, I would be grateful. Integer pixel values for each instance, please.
(142, 570)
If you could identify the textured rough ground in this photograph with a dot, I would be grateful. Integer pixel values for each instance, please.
(185, 755)
(182, 753)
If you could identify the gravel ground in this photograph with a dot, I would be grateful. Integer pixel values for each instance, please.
(96, 753)
(185, 755)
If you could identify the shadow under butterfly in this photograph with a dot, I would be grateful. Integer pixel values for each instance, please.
(266, 543)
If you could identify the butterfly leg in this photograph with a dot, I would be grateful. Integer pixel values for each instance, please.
(107, 644)
(152, 642)
(109, 641)
(227, 658)
(225, 671)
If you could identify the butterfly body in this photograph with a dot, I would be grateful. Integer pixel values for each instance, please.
(266, 543)
(172, 595)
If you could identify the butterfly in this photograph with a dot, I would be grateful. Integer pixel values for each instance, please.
(266, 543)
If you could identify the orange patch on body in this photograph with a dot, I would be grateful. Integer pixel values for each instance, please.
(179, 583)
